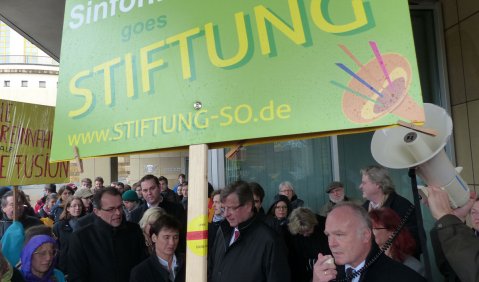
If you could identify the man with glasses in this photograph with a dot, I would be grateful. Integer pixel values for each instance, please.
(245, 249)
(8, 207)
(109, 247)
(287, 189)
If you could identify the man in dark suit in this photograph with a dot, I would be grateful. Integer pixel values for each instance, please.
(108, 248)
(151, 192)
(246, 249)
(350, 238)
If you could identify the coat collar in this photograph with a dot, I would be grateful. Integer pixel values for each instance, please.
(243, 227)
(180, 261)
(107, 227)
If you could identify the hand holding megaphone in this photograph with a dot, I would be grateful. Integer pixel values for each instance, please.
(438, 202)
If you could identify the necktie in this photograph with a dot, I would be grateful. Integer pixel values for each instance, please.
(349, 274)
(236, 235)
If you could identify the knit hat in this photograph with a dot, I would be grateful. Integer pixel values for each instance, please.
(334, 185)
(130, 196)
(83, 193)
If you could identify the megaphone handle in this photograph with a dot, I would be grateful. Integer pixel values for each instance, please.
(420, 225)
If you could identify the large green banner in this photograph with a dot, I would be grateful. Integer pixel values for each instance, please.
(140, 75)
(25, 143)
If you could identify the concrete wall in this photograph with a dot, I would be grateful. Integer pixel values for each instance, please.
(167, 164)
(461, 22)
(96, 167)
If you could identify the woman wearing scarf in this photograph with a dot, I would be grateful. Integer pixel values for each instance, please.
(38, 260)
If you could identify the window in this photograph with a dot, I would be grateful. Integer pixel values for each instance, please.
(24, 83)
(42, 84)
(31, 52)
(4, 43)
(6, 83)
(304, 163)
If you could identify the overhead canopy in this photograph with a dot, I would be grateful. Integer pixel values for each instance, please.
(40, 22)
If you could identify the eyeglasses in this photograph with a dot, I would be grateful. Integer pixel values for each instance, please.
(286, 190)
(51, 253)
(113, 209)
(232, 209)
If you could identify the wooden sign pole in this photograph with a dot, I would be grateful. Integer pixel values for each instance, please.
(15, 203)
(197, 229)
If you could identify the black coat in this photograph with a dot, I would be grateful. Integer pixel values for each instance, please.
(212, 231)
(17, 276)
(384, 269)
(63, 231)
(278, 225)
(170, 208)
(86, 219)
(150, 270)
(303, 251)
(258, 254)
(100, 252)
(171, 196)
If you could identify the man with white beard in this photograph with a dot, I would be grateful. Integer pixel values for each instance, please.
(336, 195)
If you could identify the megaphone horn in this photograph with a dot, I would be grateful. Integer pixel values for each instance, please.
(402, 147)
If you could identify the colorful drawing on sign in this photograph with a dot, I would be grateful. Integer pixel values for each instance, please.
(378, 88)
(25, 143)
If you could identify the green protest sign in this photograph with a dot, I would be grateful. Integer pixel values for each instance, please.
(150, 74)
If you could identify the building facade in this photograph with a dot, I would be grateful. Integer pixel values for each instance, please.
(27, 74)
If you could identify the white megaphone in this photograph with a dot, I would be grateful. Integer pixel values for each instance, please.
(401, 147)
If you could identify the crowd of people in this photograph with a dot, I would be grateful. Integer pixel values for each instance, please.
(123, 233)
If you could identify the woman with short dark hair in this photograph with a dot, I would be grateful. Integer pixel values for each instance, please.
(165, 264)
